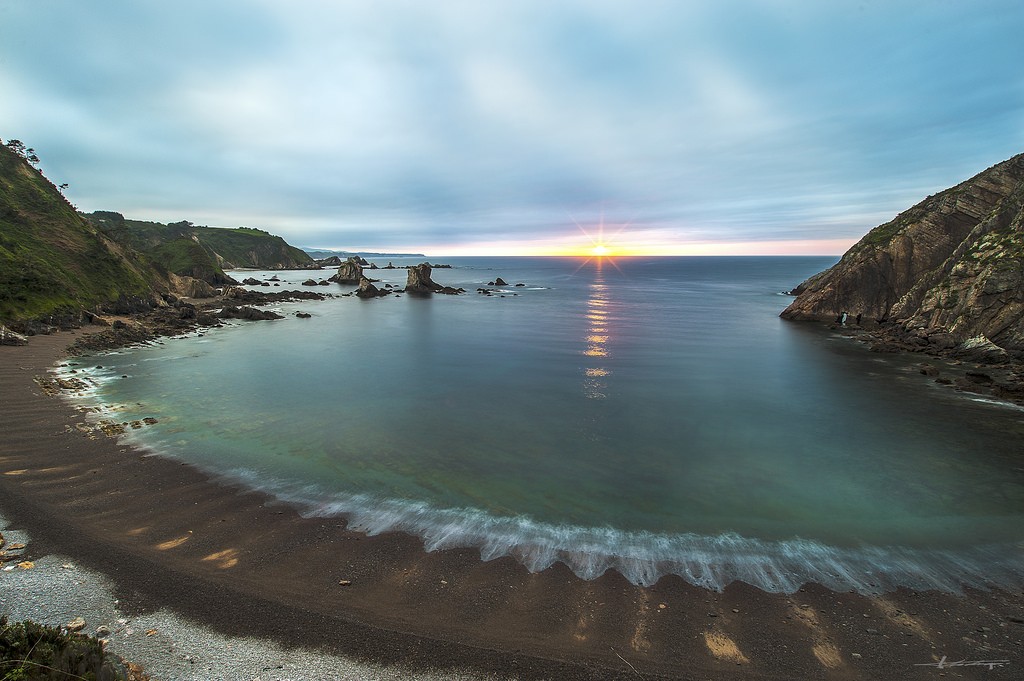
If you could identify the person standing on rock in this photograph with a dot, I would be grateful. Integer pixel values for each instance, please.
(842, 318)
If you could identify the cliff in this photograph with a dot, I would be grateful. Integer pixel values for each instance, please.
(202, 252)
(53, 262)
(948, 272)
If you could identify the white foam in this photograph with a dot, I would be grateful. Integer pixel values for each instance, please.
(712, 562)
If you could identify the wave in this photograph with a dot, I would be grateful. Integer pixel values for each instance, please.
(712, 562)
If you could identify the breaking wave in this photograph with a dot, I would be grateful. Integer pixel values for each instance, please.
(711, 562)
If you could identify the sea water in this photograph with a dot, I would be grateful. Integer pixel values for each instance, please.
(649, 415)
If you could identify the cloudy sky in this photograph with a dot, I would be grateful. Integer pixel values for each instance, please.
(746, 126)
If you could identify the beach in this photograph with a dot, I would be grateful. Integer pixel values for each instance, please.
(169, 538)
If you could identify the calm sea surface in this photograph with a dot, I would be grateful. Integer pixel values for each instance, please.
(652, 415)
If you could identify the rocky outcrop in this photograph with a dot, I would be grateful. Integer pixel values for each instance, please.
(350, 272)
(419, 282)
(190, 287)
(247, 313)
(948, 273)
(368, 290)
(8, 337)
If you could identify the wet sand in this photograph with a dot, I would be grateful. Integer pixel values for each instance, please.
(168, 537)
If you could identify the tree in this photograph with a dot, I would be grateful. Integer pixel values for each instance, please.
(17, 146)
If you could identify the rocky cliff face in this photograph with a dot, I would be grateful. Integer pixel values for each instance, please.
(947, 272)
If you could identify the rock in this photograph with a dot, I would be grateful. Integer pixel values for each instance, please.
(519, 285)
(345, 582)
(368, 290)
(249, 281)
(8, 337)
(499, 282)
(76, 624)
(981, 349)
(303, 315)
(418, 280)
(324, 282)
(350, 271)
(946, 272)
(929, 370)
(389, 266)
(310, 282)
(978, 377)
(102, 631)
(247, 313)
(190, 287)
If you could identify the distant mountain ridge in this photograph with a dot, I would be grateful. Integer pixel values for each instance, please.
(321, 253)
(947, 273)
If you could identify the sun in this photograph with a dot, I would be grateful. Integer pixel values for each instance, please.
(600, 250)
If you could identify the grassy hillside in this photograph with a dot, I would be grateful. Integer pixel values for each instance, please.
(246, 247)
(202, 252)
(51, 258)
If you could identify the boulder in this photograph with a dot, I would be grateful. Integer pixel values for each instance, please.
(249, 281)
(8, 337)
(310, 282)
(980, 349)
(500, 282)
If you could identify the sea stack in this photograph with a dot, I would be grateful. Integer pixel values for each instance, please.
(349, 273)
(947, 273)
(368, 290)
(418, 281)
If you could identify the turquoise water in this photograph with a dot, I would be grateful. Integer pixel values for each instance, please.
(651, 415)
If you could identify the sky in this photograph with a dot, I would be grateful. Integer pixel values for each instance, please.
(677, 127)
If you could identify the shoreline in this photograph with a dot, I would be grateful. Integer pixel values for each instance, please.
(168, 536)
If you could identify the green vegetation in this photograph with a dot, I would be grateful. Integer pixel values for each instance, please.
(51, 259)
(30, 652)
(55, 262)
(201, 252)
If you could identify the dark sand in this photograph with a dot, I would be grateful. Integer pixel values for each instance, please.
(169, 537)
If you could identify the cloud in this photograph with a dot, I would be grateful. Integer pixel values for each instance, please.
(405, 124)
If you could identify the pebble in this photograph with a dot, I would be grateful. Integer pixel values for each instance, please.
(76, 624)
(345, 582)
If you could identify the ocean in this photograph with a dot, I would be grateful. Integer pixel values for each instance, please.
(648, 415)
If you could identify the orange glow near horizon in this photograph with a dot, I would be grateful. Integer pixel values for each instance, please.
(552, 248)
